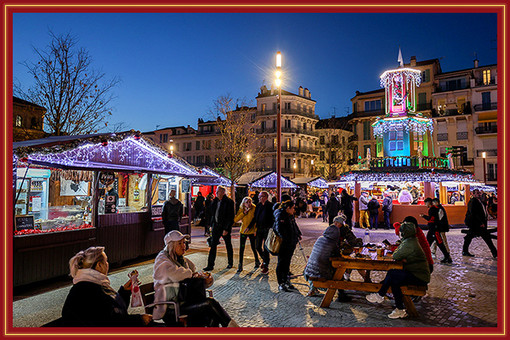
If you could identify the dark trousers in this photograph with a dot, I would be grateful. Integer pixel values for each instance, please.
(396, 278)
(373, 220)
(348, 215)
(283, 266)
(434, 235)
(217, 233)
(242, 244)
(205, 314)
(171, 225)
(479, 232)
(331, 218)
(324, 213)
(387, 223)
(259, 244)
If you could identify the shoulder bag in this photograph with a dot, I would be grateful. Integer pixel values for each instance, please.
(273, 242)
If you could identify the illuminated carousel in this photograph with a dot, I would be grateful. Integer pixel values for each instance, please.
(404, 157)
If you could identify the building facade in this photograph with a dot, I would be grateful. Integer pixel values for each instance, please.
(28, 120)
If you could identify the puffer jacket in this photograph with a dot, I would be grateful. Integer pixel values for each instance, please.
(411, 251)
(363, 202)
(246, 220)
(325, 247)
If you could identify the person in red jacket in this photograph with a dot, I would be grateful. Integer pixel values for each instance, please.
(422, 239)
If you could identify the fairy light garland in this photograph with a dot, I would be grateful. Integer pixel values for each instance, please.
(409, 74)
(269, 181)
(433, 175)
(415, 124)
(319, 183)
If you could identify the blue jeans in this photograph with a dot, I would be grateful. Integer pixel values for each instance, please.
(387, 223)
(396, 278)
(374, 219)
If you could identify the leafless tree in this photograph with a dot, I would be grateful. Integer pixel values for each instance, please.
(238, 137)
(77, 98)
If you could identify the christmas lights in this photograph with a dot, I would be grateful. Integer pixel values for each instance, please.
(269, 181)
(387, 78)
(319, 183)
(415, 124)
(214, 179)
(420, 175)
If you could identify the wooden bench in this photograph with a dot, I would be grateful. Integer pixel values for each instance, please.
(407, 291)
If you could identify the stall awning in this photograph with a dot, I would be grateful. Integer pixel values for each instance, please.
(215, 179)
(317, 182)
(122, 152)
(252, 176)
(269, 182)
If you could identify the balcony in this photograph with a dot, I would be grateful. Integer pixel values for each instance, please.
(211, 133)
(302, 149)
(481, 130)
(288, 112)
(465, 109)
(462, 135)
(488, 152)
(486, 106)
(369, 113)
(289, 130)
(442, 137)
(409, 162)
(480, 82)
(447, 87)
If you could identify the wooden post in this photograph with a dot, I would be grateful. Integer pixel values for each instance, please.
(95, 200)
(428, 189)
(357, 194)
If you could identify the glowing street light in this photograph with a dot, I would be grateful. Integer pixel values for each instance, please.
(484, 155)
(248, 158)
(278, 83)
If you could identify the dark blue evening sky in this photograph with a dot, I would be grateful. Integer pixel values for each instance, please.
(173, 66)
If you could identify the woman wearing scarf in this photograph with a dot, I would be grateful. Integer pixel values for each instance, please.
(92, 301)
(171, 266)
(245, 216)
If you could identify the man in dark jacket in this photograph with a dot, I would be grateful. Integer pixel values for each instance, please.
(387, 208)
(172, 213)
(476, 220)
(373, 208)
(443, 226)
(222, 220)
(332, 207)
(263, 220)
(433, 234)
(346, 206)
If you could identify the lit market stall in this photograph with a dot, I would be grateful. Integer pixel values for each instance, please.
(269, 182)
(311, 184)
(72, 192)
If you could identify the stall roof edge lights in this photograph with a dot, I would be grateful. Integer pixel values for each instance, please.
(269, 181)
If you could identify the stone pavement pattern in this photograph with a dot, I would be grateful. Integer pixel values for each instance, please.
(463, 294)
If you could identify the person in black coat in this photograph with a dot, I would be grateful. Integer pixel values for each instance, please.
(373, 209)
(172, 213)
(346, 206)
(92, 302)
(222, 219)
(264, 220)
(286, 227)
(199, 205)
(206, 221)
(332, 207)
(476, 220)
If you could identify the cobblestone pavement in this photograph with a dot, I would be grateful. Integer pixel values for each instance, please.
(463, 294)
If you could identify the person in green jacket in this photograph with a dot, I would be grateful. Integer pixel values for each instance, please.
(416, 270)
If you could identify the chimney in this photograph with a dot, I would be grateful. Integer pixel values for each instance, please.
(307, 93)
(476, 63)
(413, 60)
(301, 91)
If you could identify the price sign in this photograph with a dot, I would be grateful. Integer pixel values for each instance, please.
(106, 178)
(24, 222)
(157, 210)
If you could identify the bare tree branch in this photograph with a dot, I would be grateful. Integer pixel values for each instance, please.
(77, 98)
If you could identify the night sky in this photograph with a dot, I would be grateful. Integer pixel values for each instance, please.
(173, 66)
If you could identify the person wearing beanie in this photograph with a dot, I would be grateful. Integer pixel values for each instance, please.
(170, 266)
(415, 272)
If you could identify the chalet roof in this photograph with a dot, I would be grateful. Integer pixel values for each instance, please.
(25, 102)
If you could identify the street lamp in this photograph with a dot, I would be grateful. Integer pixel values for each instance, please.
(484, 155)
(294, 166)
(278, 83)
(171, 150)
(248, 158)
(311, 162)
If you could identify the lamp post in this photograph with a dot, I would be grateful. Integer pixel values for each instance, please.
(172, 150)
(279, 127)
(311, 162)
(484, 155)
(294, 166)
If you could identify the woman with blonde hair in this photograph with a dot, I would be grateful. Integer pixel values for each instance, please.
(92, 301)
(245, 215)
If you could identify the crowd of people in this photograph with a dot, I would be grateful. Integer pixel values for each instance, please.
(93, 302)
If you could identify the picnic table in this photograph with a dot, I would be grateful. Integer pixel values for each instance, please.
(380, 264)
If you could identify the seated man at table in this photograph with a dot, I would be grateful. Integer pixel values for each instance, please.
(416, 270)
(330, 244)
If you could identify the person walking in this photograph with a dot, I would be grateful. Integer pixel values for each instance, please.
(476, 221)
(246, 215)
(346, 206)
(443, 226)
(221, 222)
(199, 206)
(387, 208)
(207, 214)
(363, 210)
(373, 208)
(433, 233)
(333, 207)
(264, 220)
(172, 213)
(285, 226)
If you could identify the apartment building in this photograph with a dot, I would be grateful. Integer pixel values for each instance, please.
(28, 120)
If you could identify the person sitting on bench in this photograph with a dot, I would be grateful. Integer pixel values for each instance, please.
(171, 266)
(92, 302)
(416, 271)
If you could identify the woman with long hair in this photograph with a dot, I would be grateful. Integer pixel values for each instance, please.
(248, 229)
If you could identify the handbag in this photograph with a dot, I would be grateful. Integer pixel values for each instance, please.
(273, 242)
(190, 290)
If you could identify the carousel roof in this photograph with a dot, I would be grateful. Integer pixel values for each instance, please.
(269, 181)
(127, 151)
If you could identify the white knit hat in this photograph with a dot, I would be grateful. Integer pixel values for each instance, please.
(175, 235)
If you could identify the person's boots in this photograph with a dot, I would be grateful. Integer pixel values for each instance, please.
(240, 267)
(447, 259)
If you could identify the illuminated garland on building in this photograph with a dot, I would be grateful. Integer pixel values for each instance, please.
(433, 175)
(269, 181)
(215, 179)
(409, 74)
(416, 124)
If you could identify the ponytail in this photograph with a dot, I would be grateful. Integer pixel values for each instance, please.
(84, 259)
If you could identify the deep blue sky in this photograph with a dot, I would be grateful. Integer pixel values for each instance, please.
(173, 66)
